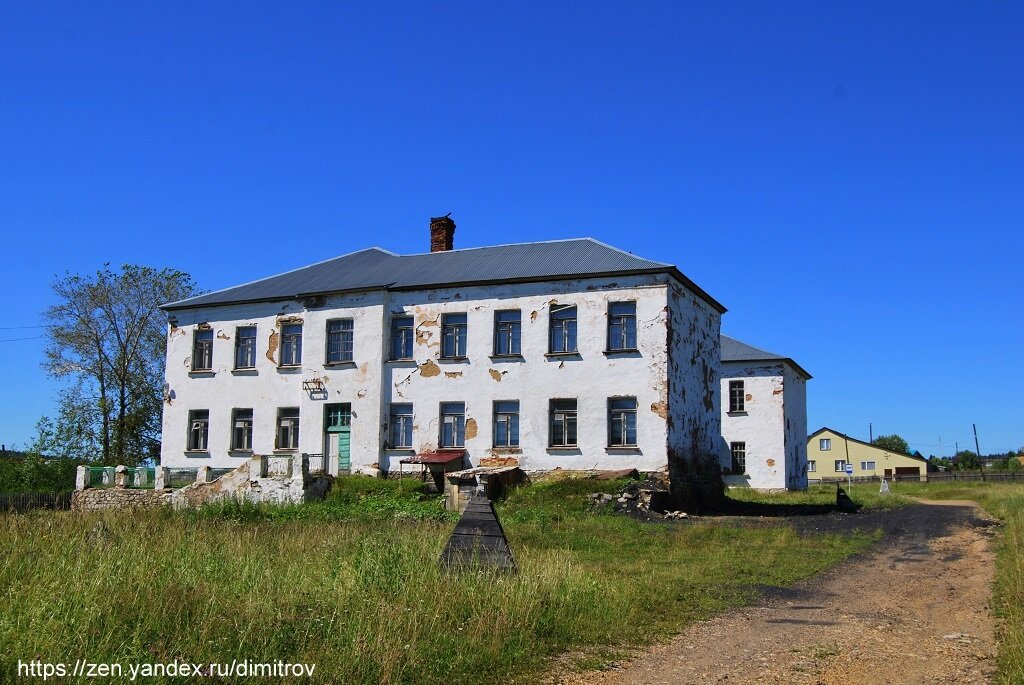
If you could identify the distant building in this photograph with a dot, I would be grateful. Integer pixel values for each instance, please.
(764, 418)
(829, 451)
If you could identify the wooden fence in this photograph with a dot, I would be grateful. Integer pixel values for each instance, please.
(23, 501)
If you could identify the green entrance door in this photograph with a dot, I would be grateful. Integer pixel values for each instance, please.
(338, 429)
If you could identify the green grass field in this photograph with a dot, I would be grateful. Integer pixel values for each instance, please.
(352, 584)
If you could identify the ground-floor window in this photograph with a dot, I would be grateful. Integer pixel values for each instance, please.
(562, 423)
(287, 428)
(199, 430)
(453, 424)
(867, 466)
(739, 457)
(400, 435)
(811, 466)
(241, 430)
(840, 465)
(622, 422)
(506, 423)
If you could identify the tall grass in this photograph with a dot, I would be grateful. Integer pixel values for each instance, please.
(360, 594)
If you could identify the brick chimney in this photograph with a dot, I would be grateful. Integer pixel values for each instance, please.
(442, 233)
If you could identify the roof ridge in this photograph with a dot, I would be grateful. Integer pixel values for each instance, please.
(528, 242)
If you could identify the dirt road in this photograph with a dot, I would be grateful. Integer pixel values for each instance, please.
(914, 609)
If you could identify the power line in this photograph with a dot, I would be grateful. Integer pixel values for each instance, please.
(34, 337)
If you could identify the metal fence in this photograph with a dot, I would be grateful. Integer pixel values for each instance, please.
(23, 501)
(141, 478)
(941, 476)
(317, 463)
(179, 478)
(214, 474)
(101, 476)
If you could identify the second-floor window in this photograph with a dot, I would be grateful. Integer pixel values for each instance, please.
(622, 422)
(562, 337)
(506, 423)
(287, 428)
(202, 350)
(621, 326)
(199, 430)
(453, 424)
(825, 444)
(736, 398)
(400, 434)
(291, 344)
(562, 428)
(339, 341)
(245, 347)
(241, 430)
(401, 337)
(507, 333)
(454, 331)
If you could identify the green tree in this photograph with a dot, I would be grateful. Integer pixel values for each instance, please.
(893, 443)
(966, 460)
(107, 338)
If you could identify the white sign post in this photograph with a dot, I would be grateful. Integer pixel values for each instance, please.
(849, 476)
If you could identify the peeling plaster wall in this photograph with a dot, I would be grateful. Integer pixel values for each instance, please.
(591, 376)
(761, 425)
(691, 390)
(268, 387)
(676, 408)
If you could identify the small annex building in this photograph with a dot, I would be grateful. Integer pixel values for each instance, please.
(764, 418)
(829, 451)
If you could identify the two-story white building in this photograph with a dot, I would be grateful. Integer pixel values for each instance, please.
(764, 418)
(569, 354)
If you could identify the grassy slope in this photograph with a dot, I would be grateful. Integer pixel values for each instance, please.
(352, 585)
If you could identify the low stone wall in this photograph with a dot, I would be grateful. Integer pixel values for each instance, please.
(248, 482)
(94, 499)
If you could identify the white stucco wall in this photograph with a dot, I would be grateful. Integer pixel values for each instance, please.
(371, 383)
(773, 425)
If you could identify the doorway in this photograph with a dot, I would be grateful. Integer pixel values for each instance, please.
(338, 437)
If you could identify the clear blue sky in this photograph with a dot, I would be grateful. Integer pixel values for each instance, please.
(846, 178)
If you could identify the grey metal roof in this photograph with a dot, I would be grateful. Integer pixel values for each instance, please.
(375, 268)
(735, 351)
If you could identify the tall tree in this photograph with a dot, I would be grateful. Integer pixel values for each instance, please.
(108, 338)
(893, 443)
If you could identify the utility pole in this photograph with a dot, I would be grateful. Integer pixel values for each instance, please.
(871, 432)
(976, 448)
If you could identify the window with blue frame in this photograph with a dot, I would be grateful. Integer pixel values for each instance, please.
(562, 338)
(339, 341)
(291, 344)
(453, 336)
(506, 423)
(562, 424)
(401, 337)
(245, 347)
(507, 333)
(622, 422)
(621, 326)
(453, 424)
(400, 436)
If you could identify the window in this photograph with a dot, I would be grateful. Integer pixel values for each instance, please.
(621, 326)
(199, 430)
(811, 466)
(245, 347)
(453, 424)
(867, 466)
(739, 457)
(562, 329)
(339, 341)
(506, 423)
(400, 435)
(736, 396)
(202, 350)
(287, 428)
(291, 344)
(563, 423)
(622, 422)
(241, 430)
(337, 415)
(825, 444)
(507, 333)
(453, 336)
(840, 465)
(401, 337)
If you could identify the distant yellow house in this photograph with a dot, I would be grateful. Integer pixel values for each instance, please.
(829, 451)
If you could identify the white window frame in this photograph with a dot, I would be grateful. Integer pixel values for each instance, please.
(811, 466)
(840, 465)
(824, 444)
(198, 430)
(867, 466)
(243, 423)
(286, 437)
